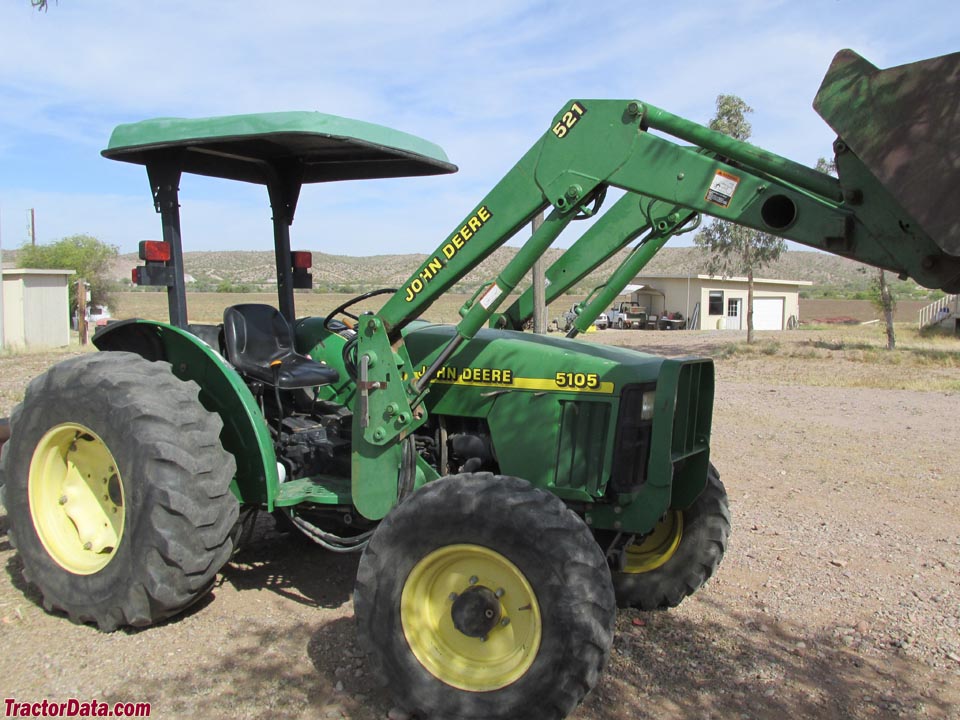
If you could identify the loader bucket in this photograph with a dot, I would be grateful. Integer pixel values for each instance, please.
(904, 124)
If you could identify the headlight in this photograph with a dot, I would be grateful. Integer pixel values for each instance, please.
(646, 406)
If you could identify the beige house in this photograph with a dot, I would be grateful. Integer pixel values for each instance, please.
(35, 308)
(713, 303)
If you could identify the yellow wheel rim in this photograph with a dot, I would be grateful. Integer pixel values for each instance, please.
(658, 547)
(472, 588)
(76, 498)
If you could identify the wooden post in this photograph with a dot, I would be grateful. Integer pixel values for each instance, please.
(82, 311)
(539, 287)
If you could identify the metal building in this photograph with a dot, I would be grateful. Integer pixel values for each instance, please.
(36, 307)
(707, 302)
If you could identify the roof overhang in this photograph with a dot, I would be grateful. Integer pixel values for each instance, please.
(250, 148)
(719, 278)
(14, 272)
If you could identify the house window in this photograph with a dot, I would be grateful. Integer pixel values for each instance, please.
(716, 302)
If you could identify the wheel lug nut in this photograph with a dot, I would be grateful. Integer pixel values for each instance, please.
(505, 622)
(474, 580)
(452, 596)
(63, 499)
(500, 592)
(87, 545)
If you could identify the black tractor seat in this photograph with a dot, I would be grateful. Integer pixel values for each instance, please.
(259, 343)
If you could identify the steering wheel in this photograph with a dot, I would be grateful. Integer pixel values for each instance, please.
(342, 309)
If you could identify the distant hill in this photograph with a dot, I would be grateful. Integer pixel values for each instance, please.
(832, 276)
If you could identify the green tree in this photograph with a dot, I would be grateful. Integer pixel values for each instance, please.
(88, 257)
(735, 249)
(827, 166)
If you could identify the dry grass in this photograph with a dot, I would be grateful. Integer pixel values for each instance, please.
(851, 357)
(18, 367)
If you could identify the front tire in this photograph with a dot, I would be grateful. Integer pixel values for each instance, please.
(680, 555)
(118, 490)
(484, 597)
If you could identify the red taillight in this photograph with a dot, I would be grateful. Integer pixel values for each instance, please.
(302, 259)
(155, 251)
(135, 276)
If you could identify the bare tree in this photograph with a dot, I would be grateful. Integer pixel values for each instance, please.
(886, 303)
(735, 249)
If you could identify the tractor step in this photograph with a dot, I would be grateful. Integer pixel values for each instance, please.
(320, 489)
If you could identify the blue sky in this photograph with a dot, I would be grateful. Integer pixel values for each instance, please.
(482, 79)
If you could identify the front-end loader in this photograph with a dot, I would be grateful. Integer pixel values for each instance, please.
(507, 490)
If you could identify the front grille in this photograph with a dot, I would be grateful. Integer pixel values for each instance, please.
(583, 440)
(631, 452)
(694, 409)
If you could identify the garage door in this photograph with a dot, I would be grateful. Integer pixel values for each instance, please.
(768, 313)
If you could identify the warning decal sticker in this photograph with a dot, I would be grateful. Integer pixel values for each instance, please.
(722, 188)
(490, 296)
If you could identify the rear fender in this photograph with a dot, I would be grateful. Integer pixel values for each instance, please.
(222, 390)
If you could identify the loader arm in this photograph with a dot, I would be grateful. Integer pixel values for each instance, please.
(872, 213)
(594, 144)
(609, 144)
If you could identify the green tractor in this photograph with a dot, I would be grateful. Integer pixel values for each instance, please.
(508, 491)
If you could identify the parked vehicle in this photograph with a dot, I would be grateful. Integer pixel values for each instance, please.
(97, 316)
(627, 316)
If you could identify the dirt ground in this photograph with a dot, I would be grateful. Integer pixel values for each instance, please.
(839, 596)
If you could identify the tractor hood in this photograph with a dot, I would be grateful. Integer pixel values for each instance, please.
(511, 360)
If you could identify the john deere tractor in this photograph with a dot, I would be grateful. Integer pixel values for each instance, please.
(508, 491)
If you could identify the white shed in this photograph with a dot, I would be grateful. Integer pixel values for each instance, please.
(36, 306)
(713, 303)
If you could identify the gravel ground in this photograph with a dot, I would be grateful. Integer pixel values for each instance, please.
(839, 596)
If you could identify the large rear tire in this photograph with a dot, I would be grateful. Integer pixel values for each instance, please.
(118, 490)
(680, 555)
(484, 597)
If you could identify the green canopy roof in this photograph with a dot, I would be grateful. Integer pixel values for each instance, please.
(251, 147)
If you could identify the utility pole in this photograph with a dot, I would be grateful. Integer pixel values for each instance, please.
(33, 227)
(539, 287)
